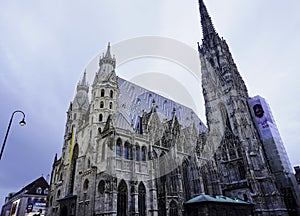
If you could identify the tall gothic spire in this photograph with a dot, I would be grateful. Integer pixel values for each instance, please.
(108, 55)
(207, 26)
(107, 58)
(83, 84)
(216, 51)
(83, 81)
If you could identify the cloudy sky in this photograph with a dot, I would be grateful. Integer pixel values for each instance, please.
(45, 46)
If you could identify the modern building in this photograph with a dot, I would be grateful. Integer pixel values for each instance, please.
(130, 151)
(275, 151)
(28, 201)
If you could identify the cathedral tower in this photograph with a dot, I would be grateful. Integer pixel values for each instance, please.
(105, 90)
(233, 139)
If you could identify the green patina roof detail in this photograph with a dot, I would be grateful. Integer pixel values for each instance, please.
(207, 198)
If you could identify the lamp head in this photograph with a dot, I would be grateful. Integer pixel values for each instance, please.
(22, 123)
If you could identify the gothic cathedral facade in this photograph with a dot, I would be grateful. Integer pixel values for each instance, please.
(130, 151)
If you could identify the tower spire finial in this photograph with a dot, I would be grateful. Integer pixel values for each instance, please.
(206, 23)
(108, 55)
(107, 58)
(83, 84)
(83, 81)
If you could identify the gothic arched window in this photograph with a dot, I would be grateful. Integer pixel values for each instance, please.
(126, 150)
(101, 104)
(137, 153)
(173, 209)
(86, 184)
(102, 93)
(101, 187)
(110, 105)
(89, 163)
(118, 148)
(111, 94)
(100, 117)
(122, 200)
(142, 199)
(143, 153)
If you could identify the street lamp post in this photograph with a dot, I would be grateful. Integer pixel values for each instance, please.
(22, 123)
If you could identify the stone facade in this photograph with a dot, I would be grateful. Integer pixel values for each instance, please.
(130, 151)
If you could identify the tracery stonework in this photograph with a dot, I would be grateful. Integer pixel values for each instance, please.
(130, 151)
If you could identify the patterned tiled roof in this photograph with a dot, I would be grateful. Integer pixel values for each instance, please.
(135, 100)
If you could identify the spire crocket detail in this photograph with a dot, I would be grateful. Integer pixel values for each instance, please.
(207, 26)
(216, 51)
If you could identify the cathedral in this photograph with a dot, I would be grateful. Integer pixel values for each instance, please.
(130, 151)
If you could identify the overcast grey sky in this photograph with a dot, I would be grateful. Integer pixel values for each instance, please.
(45, 46)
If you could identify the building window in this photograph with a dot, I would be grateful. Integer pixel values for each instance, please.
(110, 105)
(137, 153)
(101, 104)
(86, 184)
(46, 191)
(126, 150)
(74, 117)
(100, 117)
(39, 190)
(118, 148)
(143, 156)
(142, 199)
(102, 93)
(89, 164)
(122, 199)
(111, 94)
(101, 187)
